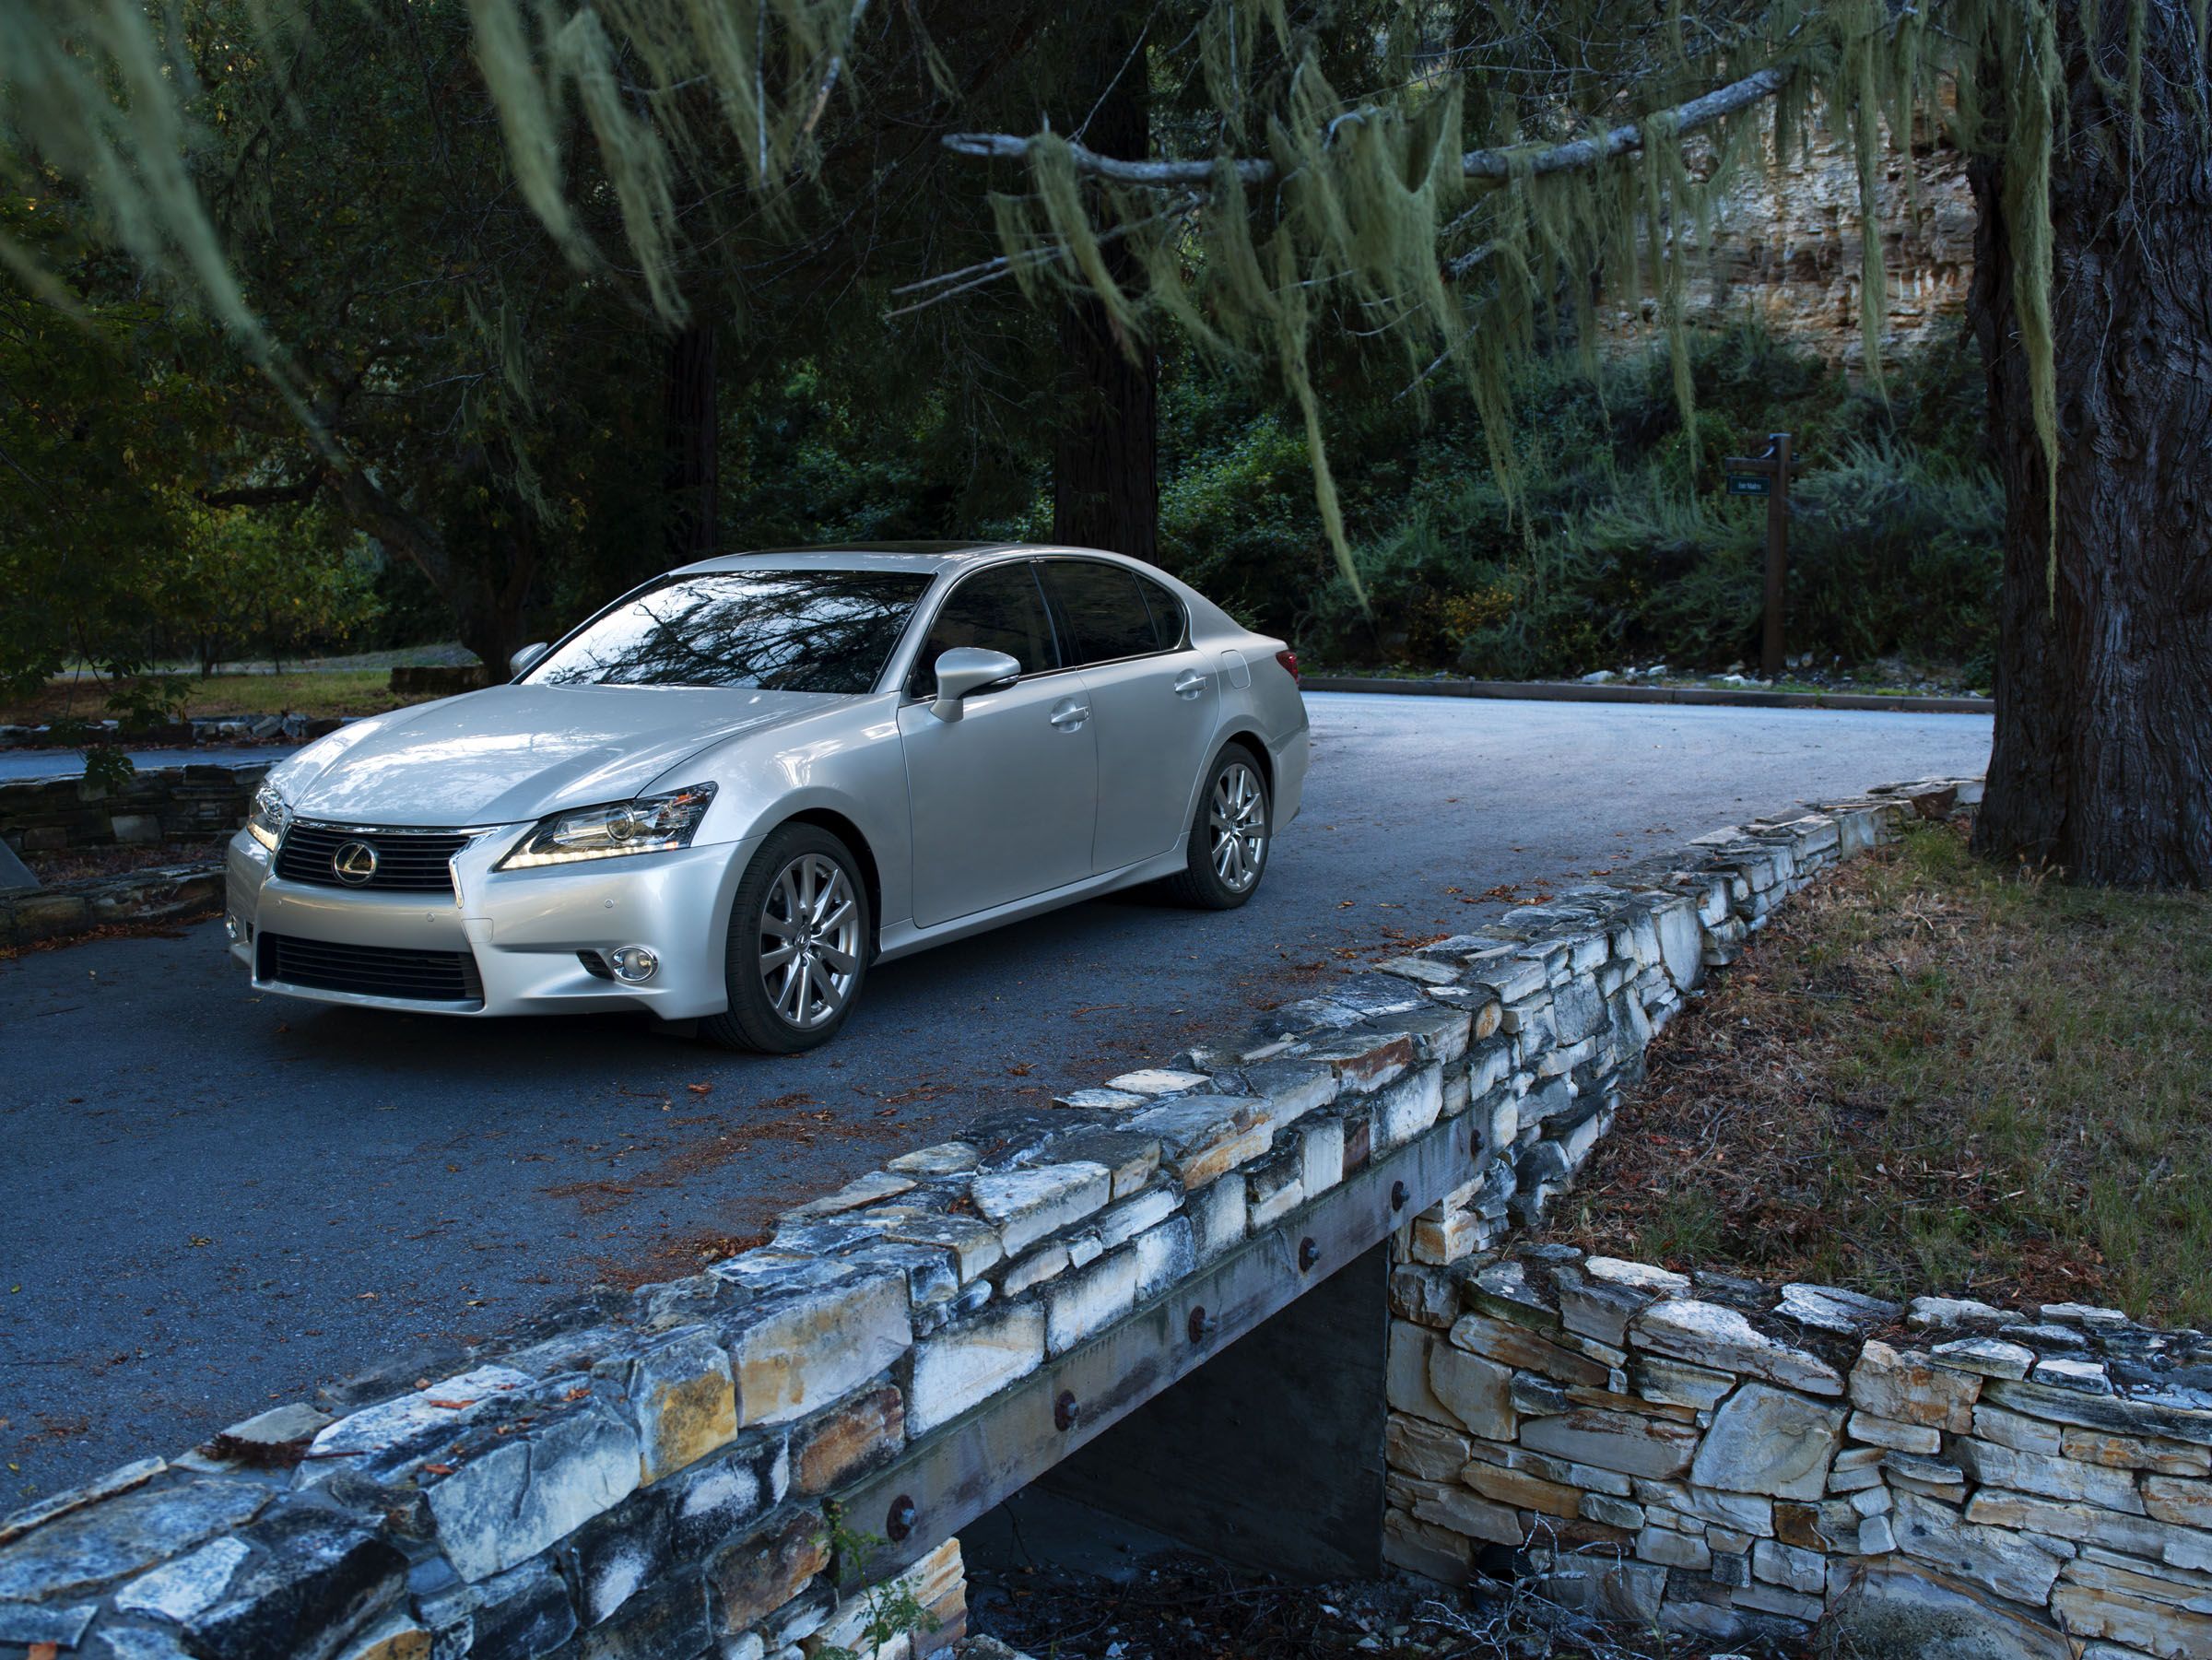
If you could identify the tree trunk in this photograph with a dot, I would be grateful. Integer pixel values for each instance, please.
(689, 524)
(1105, 461)
(2103, 764)
(493, 600)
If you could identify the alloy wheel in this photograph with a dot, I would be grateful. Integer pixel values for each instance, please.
(1237, 825)
(810, 941)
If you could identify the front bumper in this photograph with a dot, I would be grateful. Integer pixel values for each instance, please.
(522, 930)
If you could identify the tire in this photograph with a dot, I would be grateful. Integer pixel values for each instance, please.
(1236, 788)
(769, 914)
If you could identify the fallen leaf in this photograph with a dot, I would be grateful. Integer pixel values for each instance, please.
(438, 1469)
(700, 1089)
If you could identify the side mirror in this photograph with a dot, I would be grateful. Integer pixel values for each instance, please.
(968, 669)
(519, 665)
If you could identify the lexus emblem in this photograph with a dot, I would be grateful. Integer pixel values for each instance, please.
(355, 862)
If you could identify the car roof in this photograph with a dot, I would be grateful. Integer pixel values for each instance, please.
(920, 557)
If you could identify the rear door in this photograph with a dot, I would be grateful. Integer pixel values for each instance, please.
(1154, 700)
(1003, 801)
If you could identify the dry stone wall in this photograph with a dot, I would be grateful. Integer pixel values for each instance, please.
(166, 893)
(156, 804)
(1737, 1462)
(661, 1473)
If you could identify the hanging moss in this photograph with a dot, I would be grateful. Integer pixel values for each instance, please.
(1311, 221)
(1362, 214)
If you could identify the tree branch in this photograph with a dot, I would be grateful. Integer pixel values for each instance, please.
(265, 494)
(1475, 164)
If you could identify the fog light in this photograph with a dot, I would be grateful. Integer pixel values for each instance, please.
(633, 963)
(232, 929)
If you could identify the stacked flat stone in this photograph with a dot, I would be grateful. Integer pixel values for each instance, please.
(651, 1473)
(154, 804)
(162, 893)
(198, 729)
(1737, 1462)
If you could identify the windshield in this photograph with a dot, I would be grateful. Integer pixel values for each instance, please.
(780, 630)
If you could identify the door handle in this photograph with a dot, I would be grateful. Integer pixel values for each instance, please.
(1067, 714)
(1190, 685)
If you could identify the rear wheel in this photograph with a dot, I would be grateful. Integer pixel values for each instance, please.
(1229, 836)
(800, 935)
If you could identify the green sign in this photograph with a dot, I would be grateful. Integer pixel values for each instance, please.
(1749, 484)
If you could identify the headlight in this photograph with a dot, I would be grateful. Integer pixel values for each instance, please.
(650, 824)
(270, 817)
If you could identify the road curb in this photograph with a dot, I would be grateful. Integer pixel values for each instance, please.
(1551, 691)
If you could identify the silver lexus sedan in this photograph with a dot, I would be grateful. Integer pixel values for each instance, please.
(728, 793)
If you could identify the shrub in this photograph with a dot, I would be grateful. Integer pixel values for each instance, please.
(1621, 545)
(1892, 549)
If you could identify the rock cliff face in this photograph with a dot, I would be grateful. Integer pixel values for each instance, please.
(1785, 247)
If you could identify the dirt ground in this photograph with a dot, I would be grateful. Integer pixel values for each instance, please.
(1929, 1075)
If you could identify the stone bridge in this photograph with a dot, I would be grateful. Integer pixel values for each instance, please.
(1252, 1295)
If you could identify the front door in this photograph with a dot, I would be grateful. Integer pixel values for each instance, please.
(1001, 801)
(1156, 701)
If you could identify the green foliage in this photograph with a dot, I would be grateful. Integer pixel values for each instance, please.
(110, 423)
(1621, 544)
(890, 1608)
(1892, 550)
(1362, 228)
(1406, 187)
(268, 584)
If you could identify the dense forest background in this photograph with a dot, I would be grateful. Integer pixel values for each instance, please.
(470, 436)
(1622, 547)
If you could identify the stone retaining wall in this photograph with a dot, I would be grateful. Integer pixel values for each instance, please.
(199, 729)
(656, 1473)
(1737, 1462)
(156, 804)
(171, 892)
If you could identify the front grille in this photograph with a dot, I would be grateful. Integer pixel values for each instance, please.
(406, 861)
(370, 970)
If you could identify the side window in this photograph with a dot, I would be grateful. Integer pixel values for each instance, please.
(1167, 613)
(998, 610)
(1102, 606)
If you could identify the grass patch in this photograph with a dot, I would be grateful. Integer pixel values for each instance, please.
(1933, 1075)
(319, 693)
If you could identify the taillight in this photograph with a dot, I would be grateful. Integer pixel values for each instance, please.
(1290, 661)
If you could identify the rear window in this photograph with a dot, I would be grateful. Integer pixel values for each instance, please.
(1167, 613)
(1103, 607)
(777, 630)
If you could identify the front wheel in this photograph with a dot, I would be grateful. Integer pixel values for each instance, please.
(800, 935)
(1229, 836)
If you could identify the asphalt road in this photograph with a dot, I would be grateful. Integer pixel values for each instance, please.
(211, 1201)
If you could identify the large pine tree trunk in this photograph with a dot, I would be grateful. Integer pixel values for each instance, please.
(2102, 765)
(689, 523)
(1105, 461)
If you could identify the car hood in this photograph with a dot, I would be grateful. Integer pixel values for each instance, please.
(513, 753)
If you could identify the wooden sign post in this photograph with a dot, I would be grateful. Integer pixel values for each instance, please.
(1769, 474)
